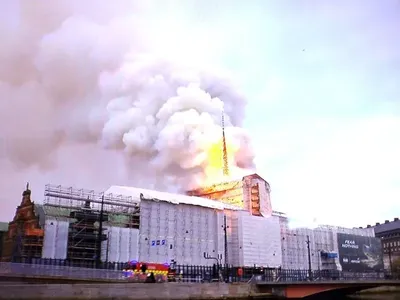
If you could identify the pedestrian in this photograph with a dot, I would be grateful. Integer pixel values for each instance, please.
(240, 273)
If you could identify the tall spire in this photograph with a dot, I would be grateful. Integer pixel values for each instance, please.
(27, 191)
(225, 169)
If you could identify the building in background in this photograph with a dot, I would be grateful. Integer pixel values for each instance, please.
(24, 238)
(330, 248)
(389, 233)
(3, 232)
(233, 223)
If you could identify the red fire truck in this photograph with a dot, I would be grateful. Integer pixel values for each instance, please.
(140, 271)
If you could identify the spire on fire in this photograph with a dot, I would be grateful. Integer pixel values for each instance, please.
(224, 151)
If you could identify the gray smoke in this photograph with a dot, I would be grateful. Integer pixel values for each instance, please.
(89, 75)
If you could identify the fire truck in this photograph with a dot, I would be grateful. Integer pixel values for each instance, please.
(141, 271)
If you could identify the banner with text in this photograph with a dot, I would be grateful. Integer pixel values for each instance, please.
(360, 253)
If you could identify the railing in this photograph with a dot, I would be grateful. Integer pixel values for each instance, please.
(86, 264)
(184, 273)
(18, 269)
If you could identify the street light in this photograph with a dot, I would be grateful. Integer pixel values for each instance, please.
(100, 233)
(309, 258)
(225, 240)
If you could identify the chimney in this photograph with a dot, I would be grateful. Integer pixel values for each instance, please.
(368, 226)
(377, 223)
(386, 221)
(396, 219)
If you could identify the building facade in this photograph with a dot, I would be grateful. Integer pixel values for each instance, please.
(24, 237)
(251, 193)
(128, 223)
(389, 233)
(3, 233)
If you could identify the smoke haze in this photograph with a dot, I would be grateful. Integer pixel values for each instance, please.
(93, 94)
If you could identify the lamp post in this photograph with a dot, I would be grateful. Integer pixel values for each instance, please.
(309, 258)
(99, 236)
(226, 248)
(108, 245)
(225, 241)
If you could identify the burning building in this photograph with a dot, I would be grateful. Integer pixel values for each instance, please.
(232, 222)
(251, 193)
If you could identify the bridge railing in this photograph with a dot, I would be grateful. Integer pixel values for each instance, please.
(186, 273)
(20, 269)
(284, 275)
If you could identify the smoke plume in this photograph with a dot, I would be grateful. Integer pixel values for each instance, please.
(89, 75)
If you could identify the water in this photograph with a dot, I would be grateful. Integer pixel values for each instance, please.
(383, 296)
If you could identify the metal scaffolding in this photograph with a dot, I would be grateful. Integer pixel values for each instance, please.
(60, 201)
(87, 217)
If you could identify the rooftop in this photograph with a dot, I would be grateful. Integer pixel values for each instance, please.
(387, 226)
(134, 194)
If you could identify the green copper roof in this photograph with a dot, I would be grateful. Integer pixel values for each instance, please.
(3, 226)
(50, 212)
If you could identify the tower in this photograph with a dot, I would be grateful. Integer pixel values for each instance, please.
(225, 169)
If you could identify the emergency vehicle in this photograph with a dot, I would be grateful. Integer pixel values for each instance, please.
(139, 271)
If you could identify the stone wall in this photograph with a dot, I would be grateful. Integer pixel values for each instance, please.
(165, 291)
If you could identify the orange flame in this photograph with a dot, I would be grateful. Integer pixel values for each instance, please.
(215, 164)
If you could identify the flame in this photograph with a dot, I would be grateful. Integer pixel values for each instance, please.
(214, 164)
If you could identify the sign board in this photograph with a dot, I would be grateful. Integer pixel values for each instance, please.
(158, 243)
(360, 253)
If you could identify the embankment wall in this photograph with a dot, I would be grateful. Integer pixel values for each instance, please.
(165, 291)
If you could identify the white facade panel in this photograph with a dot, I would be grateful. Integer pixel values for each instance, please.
(49, 241)
(179, 232)
(233, 232)
(122, 244)
(260, 241)
(114, 244)
(55, 239)
(62, 240)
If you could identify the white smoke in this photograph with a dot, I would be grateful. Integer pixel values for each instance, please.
(90, 73)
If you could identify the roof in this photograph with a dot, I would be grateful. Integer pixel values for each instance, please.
(134, 193)
(44, 212)
(386, 227)
(3, 226)
(254, 175)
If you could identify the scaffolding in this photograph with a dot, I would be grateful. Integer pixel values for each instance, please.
(84, 236)
(60, 201)
(31, 246)
(87, 215)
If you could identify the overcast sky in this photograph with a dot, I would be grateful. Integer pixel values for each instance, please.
(323, 83)
(322, 79)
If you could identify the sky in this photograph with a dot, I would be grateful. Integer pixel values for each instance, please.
(322, 81)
